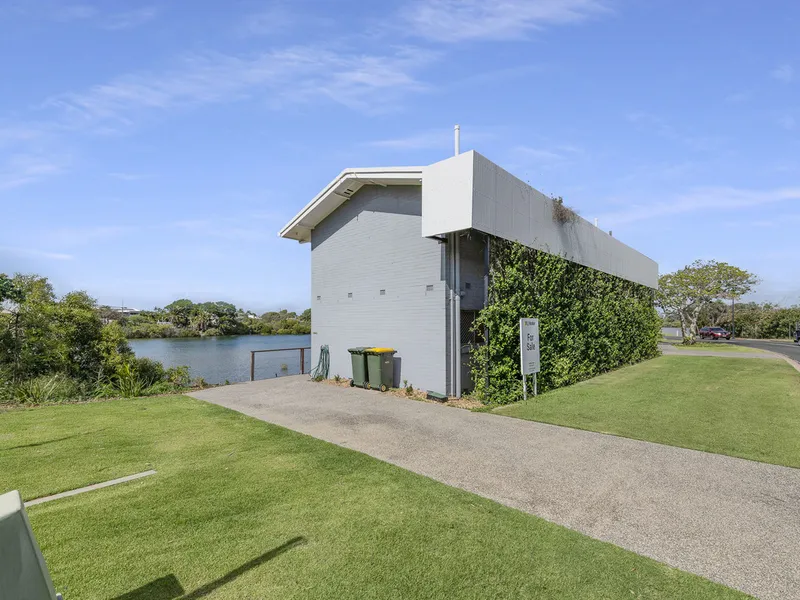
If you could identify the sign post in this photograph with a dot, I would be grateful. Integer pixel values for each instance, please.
(529, 353)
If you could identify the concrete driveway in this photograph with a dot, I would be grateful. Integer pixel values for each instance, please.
(731, 520)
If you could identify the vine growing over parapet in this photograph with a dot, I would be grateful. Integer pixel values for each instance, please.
(589, 321)
(562, 213)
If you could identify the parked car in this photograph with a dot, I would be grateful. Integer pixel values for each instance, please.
(714, 333)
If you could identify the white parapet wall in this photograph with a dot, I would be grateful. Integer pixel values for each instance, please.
(469, 191)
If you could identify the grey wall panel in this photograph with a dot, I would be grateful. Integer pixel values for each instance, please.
(472, 271)
(372, 243)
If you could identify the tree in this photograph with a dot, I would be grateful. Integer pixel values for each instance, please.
(735, 283)
(9, 290)
(688, 291)
(180, 312)
(45, 336)
(712, 313)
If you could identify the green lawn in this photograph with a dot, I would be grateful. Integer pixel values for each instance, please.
(242, 509)
(721, 346)
(742, 407)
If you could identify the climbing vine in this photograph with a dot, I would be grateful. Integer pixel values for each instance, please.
(589, 321)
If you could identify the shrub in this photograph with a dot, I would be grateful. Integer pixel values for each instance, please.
(162, 387)
(47, 389)
(178, 376)
(148, 370)
(6, 387)
(589, 321)
(128, 383)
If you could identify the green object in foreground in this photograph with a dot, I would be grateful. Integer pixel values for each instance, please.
(744, 407)
(231, 492)
(380, 366)
(359, 360)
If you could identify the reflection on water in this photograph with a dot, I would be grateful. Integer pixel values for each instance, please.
(228, 357)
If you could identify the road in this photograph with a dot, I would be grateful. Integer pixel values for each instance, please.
(790, 349)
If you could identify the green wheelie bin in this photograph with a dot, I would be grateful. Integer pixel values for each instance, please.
(359, 359)
(380, 367)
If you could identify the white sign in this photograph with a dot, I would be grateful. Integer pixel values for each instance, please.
(529, 345)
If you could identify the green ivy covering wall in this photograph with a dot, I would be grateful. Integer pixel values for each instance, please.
(589, 322)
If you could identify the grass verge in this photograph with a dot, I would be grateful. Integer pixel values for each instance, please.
(243, 509)
(716, 346)
(740, 407)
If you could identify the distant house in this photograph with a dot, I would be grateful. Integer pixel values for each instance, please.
(123, 311)
(399, 258)
(114, 313)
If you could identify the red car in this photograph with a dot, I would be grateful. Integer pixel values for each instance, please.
(714, 333)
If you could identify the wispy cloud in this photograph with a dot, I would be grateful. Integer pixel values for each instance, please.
(128, 19)
(701, 200)
(70, 237)
(461, 20)
(35, 253)
(299, 75)
(276, 18)
(739, 97)
(222, 228)
(784, 73)
(662, 128)
(432, 138)
(545, 157)
(68, 12)
(21, 169)
(359, 81)
(129, 176)
(91, 14)
(13, 134)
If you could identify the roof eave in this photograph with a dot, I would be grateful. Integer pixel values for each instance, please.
(339, 190)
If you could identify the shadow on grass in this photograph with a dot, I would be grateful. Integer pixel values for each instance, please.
(53, 441)
(169, 588)
(164, 588)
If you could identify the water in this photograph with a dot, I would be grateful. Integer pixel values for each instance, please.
(216, 359)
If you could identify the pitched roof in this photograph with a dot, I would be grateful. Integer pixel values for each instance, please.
(340, 190)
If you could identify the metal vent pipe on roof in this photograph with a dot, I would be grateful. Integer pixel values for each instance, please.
(457, 129)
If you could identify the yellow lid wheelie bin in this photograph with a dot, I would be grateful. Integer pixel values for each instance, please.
(380, 368)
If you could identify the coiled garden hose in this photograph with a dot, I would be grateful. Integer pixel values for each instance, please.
(322, 370)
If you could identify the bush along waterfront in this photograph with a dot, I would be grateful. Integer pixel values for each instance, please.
(60, 350)
(589, 322)
(184, 318)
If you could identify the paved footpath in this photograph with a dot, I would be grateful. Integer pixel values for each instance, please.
(731, 520)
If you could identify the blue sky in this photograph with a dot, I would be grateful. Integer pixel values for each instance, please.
(150, 151)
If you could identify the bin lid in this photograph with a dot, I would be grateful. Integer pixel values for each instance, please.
(380, 350)
(358, 349)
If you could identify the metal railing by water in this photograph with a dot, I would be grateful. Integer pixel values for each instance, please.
(302, 359)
